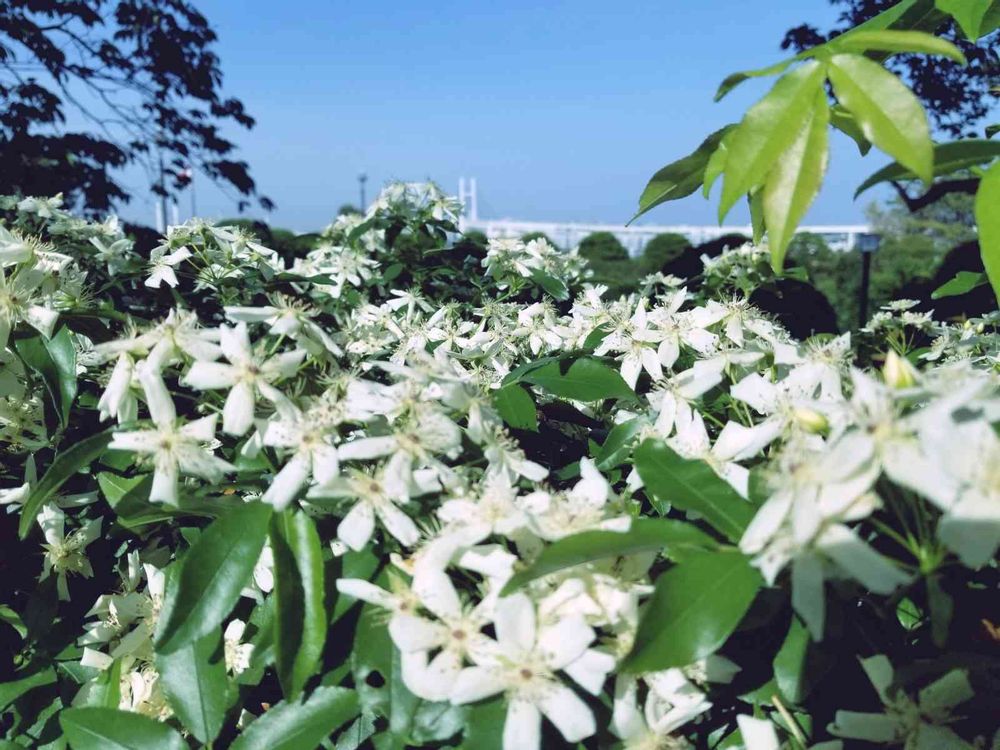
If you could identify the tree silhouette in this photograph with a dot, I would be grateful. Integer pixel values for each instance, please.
(90, 86)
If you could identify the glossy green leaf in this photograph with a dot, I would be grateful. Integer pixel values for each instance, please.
(735, 79)
(54, 360)
(675, 538)
(716, 164)
(800, 664)
(767, 130)
(891, 40)
(484, 727)
(844, 121)
(22, 683)
(962, 282)
(697, 604)
(755, 202)
(555, 287)
(65, 465)
(376, 665)
(212, 573)
(988, 221)
(586, 379)
(110, 729)
(515, 407)
(795, 180)
(889, 114)
(300, 622)
(618, 444)
(105, 691)
(968, 14)
(682, 177)
(948, 158)
(294, 725)
(194, 680)
(691, 485)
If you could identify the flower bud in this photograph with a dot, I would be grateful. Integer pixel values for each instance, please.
(898, 372)
(811, 420)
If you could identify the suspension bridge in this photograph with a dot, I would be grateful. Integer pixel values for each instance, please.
(843, 237)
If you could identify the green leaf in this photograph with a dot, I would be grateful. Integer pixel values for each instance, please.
(988, 221)
(844, 121)
(105, 691)
(484, 727)
(716, 164)
(735, 79)
(680, 178)
(767, 130)
(890, 40)
(968, 14)
(375, 655)
(948, 158)
(586, 379)
(696, 606)
(755, 202)
(962, 283)
(194, 680)
(299, 725)
(65, 465)
(555, 287)
(618, 444)
(675, 538)
(14, 689)
(109, 729)
(691, 485)
(515, 407)
(889, 114)
(300, 624)
(54, 360)
(212, 573)
(799, 664)
(794, 182)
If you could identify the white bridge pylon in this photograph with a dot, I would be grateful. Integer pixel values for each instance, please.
(568, 235)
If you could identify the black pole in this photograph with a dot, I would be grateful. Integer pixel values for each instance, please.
(866, 267)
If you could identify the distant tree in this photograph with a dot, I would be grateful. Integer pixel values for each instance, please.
(688, 265)
(610, 263)
(474, 235)
(661, 250)
(956, 96)
(348, 210)
(603, 246)
(539, 236)
(146, 85)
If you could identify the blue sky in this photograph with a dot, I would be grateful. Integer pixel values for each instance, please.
(562, 109)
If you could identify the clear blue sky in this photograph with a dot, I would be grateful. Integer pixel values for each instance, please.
(561, 108)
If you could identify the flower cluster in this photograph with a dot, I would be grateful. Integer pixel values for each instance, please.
(657, 520)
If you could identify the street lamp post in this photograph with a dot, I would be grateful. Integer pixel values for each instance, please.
(867, 244)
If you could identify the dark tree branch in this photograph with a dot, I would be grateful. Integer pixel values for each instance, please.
(937, 191)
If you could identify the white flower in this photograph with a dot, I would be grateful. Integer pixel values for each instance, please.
(523, 666)
(162, 263)
(912, 724)
(237, 654)
(244, 376)
(553, 515)
(376, 496)
(175, 448)
(759, 734)
(308, 438)
(20, 301)
(65, 554)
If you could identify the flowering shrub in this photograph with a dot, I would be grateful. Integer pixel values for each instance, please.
(407, 491)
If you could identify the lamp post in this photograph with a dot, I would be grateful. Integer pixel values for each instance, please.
(867, 244)
(362, 179)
